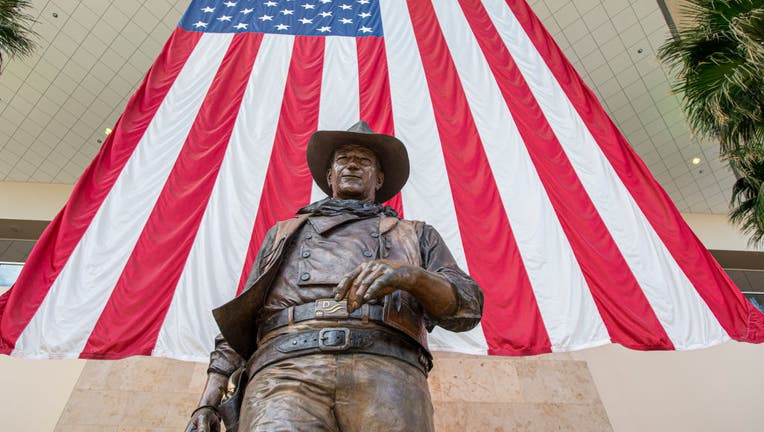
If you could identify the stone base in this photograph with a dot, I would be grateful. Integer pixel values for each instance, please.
(544, 393)
(139, 394)
(470, 393)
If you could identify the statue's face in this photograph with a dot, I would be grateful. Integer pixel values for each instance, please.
(355, 173)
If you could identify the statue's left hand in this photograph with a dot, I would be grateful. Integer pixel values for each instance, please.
(374, 279)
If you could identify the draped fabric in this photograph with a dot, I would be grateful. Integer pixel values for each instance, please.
(514, 162)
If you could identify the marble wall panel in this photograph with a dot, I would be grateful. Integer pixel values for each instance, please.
(470, 393)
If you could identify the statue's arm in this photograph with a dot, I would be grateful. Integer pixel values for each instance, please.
(224, 360)
(450, 298)
(438, 261)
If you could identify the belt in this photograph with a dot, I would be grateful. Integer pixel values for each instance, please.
(320, 309)
(335, 340)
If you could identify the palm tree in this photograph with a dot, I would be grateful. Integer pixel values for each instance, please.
(16, 36)
(748, 198)
(718, 63)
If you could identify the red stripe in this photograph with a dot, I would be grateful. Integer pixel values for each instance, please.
(735, 314)
(59, 240)
(133, 316)
(288, 181)
(376, 106)
(511, 319)
(628, 316)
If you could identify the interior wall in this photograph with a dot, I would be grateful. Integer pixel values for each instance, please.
(34, 392)
(716, 232)
(35, 201)
(675, 8)
(713, 389)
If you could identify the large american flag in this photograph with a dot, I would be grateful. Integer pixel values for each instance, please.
(514, 161)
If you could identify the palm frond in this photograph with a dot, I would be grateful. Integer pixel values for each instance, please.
(748, 198)
(717, 65)
(17, 39)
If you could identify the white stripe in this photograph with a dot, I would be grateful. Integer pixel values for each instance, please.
(684, 315)
(427, 195)
(567, 307)
(211, 273)
(65, 319)
(339, 108)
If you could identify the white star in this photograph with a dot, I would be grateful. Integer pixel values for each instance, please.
(266, 18)
(309, 6)
(282, 27)
(240, 26)
(287, 12)
(346, 7)
(364, 14)
(208, 9)
(247, 11)
(346, 21)
(270, 3)
(326, 14)
(305, 21)
(363, 1)
(230, 4)
(200, 24)
(225, 18)
(324, 1)
(365, 29)
(324, 29)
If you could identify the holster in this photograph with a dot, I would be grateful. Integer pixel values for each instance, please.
(230, 408)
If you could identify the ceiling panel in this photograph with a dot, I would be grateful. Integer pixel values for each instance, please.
(55, 106)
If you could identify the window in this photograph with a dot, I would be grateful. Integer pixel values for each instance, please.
(9, 272)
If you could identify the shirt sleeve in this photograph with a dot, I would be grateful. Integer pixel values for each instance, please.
(224, 359)
(438, 259)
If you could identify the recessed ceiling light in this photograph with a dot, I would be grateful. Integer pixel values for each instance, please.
(107, 131)
(695, 161)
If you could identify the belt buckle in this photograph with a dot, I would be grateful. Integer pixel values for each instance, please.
(329, 342)
(329, 308)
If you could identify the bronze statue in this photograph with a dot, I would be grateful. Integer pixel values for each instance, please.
(331, 331)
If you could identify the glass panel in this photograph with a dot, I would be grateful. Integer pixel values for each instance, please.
(9, 272)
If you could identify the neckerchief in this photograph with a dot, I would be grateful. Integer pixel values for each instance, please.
(333, 207)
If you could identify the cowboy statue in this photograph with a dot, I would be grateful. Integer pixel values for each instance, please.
(331, 331)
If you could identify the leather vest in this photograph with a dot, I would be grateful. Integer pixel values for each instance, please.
(323, 250)
(398, 240)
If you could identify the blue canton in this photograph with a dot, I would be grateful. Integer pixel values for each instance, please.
(354, 18)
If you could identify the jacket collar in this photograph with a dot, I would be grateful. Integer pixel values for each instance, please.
(323, 224)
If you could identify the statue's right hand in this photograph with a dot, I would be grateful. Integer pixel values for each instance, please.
(204, 420)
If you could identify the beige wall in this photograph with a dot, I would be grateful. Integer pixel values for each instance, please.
(675, 8)
(33, 393)
(34, 201)
(714, 389)
(715, 232)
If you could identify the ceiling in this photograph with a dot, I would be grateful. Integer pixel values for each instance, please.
(56, 105)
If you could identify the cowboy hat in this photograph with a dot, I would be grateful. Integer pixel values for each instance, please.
(389, 150)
